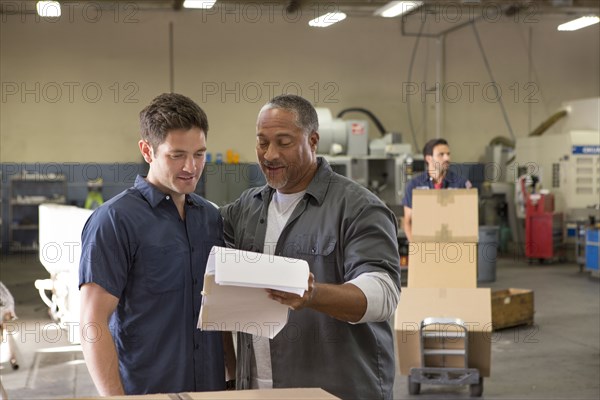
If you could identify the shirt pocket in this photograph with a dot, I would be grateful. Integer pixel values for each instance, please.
(319, 252)
(163, 267)
(314, 245)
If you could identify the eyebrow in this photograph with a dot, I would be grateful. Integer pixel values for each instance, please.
(277, 135)
(183, 151)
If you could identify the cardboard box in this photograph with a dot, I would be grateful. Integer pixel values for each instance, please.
(512, 307)
(449, 215)
(262, 394)
(472, 306)
(161, 396)
(439, 265)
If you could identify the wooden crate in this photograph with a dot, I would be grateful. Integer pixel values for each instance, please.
(512, 307)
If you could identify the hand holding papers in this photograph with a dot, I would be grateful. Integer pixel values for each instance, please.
(234, 296)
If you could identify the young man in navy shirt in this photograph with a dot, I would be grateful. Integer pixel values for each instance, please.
(144, 254)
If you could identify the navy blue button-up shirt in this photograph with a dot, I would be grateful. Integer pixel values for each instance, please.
(137, 247)
(424, 181)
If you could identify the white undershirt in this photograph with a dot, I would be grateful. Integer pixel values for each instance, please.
(379, 289)
(280, 209)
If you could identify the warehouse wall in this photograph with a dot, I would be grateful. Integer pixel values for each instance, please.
(72, 89)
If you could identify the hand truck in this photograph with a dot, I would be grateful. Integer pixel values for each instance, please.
(435, 336)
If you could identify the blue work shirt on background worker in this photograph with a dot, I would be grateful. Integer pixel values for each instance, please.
(437, 175)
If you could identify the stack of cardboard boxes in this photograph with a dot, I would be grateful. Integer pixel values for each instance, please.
(442, 278)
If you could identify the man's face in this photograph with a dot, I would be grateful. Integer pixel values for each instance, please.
(439, 161)
(285, 153)
(177, 163)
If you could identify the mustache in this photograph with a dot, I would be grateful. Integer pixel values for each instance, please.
(272, 165)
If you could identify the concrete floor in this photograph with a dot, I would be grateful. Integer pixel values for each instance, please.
(557, 358)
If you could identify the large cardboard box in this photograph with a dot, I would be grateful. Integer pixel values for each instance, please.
(262, 394)
(512, 307)
(472, 306)
(158, 396)
(449, 215)
(439, 265)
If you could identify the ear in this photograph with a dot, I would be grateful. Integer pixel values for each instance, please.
(146, 150)
(429, 160)
(313, 140)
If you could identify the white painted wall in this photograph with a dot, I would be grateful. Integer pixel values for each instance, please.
(359, 62)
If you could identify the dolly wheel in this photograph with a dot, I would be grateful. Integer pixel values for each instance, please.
(413, 387)
(476, 389)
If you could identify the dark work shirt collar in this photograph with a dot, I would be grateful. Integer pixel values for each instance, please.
(448, 177)
(154, 196)
(317, 187)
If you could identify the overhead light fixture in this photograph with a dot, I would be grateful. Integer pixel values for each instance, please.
(579, 23)
(327, 19)
(205, 4)
(395, 8)
(48, 9)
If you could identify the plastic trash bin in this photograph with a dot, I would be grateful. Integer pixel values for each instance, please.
(487, 252)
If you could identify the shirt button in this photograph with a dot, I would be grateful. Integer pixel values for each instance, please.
(195, 281)
(168, 197)
(197, 346)
(262, 221)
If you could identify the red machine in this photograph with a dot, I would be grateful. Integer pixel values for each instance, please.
(543, 227)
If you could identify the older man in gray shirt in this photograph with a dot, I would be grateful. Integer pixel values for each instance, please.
(338, 335)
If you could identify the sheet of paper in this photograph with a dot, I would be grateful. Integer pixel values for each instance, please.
(234, 295)
(246, 268)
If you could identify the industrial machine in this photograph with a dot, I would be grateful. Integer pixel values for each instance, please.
(568, 167)
(567, 163)
(383, 165)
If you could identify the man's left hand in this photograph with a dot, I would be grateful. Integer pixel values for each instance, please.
(292, 300)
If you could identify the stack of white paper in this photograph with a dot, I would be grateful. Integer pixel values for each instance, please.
(234, 296)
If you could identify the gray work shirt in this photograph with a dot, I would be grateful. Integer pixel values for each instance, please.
(342, 230)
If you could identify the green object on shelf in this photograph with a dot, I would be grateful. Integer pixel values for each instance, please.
(93, 200)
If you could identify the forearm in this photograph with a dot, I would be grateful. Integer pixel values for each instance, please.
(345, 302)
(101, 359)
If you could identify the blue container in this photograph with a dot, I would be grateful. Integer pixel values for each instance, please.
(592, 245)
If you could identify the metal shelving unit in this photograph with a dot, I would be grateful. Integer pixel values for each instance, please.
(27, 192)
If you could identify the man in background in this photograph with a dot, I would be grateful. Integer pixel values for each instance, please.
(437, 176)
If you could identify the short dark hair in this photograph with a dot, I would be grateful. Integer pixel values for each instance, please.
(167, 112)
(429, 146)
(306, 115)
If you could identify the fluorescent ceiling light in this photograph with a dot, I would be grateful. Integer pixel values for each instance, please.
(199, 3)
(48, 8)
(327, 19)
(579, 23)
(395, 8)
